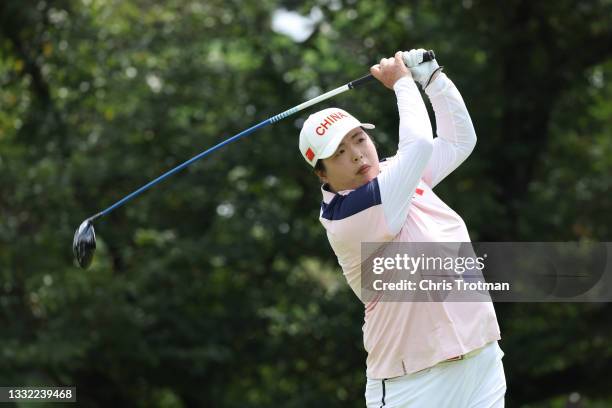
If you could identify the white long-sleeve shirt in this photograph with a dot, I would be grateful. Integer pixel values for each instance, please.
(400, 206)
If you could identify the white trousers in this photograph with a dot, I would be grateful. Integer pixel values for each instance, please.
(475, 382)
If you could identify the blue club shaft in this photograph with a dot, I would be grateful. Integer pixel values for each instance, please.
(180, 167)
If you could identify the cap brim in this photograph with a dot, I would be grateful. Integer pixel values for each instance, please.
(330, 149)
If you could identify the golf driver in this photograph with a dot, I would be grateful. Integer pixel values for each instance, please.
(84, 242)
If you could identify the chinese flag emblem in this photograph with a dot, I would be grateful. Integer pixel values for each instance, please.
(309, 154)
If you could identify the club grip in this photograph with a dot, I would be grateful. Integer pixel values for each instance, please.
(427, 56)
(361, 81)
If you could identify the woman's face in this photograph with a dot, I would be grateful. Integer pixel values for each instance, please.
(353, 164)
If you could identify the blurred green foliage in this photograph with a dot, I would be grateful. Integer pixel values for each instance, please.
(218, 287)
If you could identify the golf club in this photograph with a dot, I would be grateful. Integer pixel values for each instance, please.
(84, 242)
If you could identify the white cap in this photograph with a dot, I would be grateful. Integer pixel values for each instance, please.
(323, 131)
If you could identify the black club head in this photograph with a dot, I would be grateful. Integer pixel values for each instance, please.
(84, 244)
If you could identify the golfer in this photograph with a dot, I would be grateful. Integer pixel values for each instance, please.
(420, 354)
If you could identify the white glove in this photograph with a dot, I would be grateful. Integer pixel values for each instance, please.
(422, 72)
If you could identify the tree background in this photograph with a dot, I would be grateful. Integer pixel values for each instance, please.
(218, 287)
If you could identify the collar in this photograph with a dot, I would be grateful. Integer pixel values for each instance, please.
(329, 195)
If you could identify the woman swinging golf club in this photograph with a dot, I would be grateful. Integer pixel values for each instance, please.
(420, 354)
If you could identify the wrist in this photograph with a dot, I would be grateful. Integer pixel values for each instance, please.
(433, 77)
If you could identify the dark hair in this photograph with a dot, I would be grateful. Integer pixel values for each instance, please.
(320, 166)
